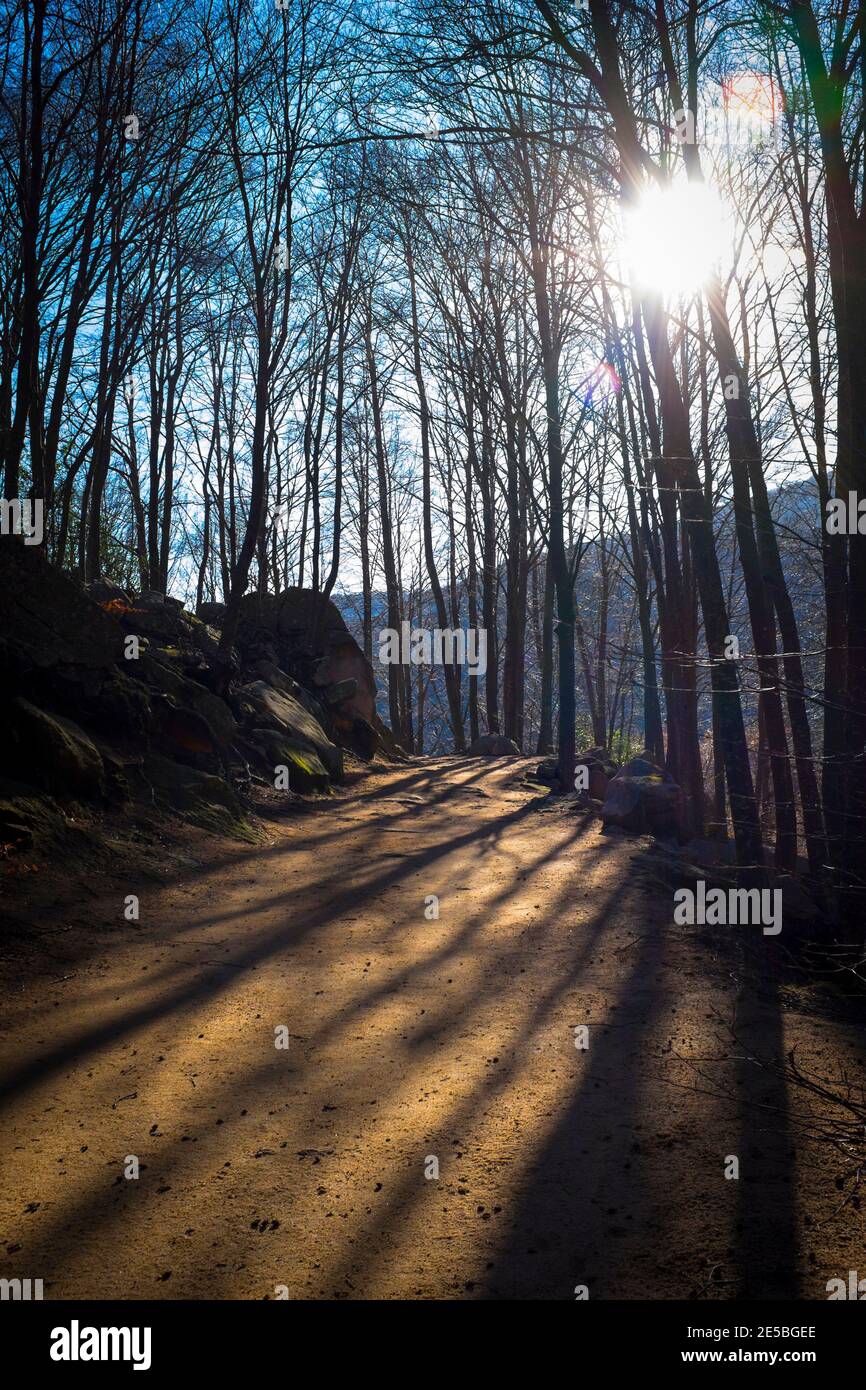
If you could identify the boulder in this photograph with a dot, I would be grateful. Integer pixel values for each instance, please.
(196, 796)
(596, 780)
(52, 752)
(644, 799)
(642, 765)
(272, 675)
(340, 692)
(306, 771)
(104, 591)
(344, 665)
(493, 746)
(268, 671)
(600, 768)
(211, 613)
(122, 709)
(304, 635)
(260, 705)
(183, 693)
(597, 755)
(186, 735)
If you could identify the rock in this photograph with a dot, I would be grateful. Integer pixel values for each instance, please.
(596, 780)
(306, 771)
(161, 675)
(493, 746)
(599, 769)
(187, 639)
(642, 765)
(262, 705)
(116, 769)
(89, 721)
(304, 635)
(122, 708)
(344, 661)
(600, 756)
(272, 675)
(154, 600)
(105, 591)
(15, 831)
(645, 802)
(367, 740)
(29, 822)
(340, 691)
(55, 753)
(50, 628)
(211, 614)
(197, 797)
(186, 735)
(268, 671)
(384, 738)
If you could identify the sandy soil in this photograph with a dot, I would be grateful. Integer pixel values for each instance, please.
(305, 1169)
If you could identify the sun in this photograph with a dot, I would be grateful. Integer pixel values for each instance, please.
(674, 238)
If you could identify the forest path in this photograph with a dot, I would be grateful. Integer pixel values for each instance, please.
(409, 1039)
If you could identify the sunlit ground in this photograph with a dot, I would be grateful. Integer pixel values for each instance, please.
(304, 1170)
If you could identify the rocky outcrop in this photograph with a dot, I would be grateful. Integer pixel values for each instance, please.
(644, 799)
(304, 635)
(107, 696)
(262, 707)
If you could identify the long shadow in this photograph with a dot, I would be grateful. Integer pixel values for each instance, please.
(767, 1237)
(590, 1216)
(310, 889)
(91, 1210)
(586, 1196)
(408, 1192)
(72, 1049)
(584, 1214)
(489, 831)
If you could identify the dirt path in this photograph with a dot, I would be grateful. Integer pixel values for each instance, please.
(411, 1040)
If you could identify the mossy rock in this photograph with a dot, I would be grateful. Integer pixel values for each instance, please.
(197, 797)
(307, 773)
(263, 706)
(32, 824)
